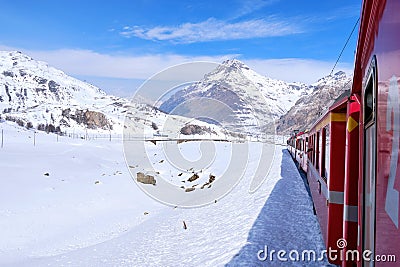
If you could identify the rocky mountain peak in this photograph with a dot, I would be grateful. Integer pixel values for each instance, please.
(234, 63)
(308, 108)
(254, 100)
(340, 75)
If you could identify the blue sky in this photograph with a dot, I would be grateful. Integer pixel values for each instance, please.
(118, 44)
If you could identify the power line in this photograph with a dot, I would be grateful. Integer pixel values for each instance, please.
(350, 80)
(348, 39)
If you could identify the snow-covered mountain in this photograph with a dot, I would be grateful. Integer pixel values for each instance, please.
(309, 107)
(33, 92)
(36, 95)
(243, 100)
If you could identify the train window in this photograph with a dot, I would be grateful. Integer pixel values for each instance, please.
(317, 152)
(369, 160)
(369, 102)
(310, 147)
(327, 151)
(322, 151)
(314, 150)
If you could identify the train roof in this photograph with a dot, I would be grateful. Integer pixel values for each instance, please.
(346, 94)
(339, 106)
(371, 12)
(340, 102)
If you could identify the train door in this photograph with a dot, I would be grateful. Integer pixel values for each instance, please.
(369, 163)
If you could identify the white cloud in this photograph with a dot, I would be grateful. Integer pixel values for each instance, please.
(249, 6)
(89, 63)
(214, 30)
(343, 12)
(296, 69)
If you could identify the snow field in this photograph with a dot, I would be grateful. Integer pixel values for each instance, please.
(89, 212)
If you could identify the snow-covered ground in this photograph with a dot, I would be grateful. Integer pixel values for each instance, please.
(72, 202)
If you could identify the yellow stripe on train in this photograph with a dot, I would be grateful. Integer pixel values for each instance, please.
(333, 117)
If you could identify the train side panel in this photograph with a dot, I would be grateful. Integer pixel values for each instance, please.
(350, 209)
(335, 179)
(326, 173)
(377, 83)
(387, 51)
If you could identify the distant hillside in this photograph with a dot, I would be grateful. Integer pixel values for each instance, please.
(36, 95)
(308, 108)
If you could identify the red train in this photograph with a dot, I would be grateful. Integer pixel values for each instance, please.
(351, 154)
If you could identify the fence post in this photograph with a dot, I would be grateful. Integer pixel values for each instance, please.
(34, 138)
(2, 138)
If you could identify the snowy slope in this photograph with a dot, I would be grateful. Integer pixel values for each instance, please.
(89, 212)
(33, 92)
(38, 93)
(32, 82)
(88, 196)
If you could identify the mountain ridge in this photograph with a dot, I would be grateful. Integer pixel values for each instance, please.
(34, 94)
(259, 103)
(308, 108)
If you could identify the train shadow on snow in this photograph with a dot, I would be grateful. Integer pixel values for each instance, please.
(286, 222)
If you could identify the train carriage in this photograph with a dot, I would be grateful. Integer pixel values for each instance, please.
(301, 151)
(326, 171)
(298, 149)
(291, 142)
(353, 149)
(376, 84)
